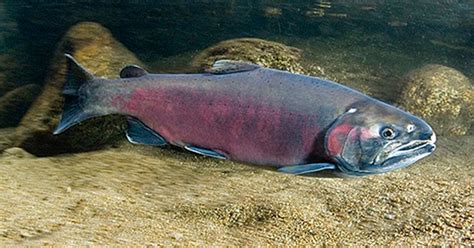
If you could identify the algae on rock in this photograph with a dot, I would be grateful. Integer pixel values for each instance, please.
(441, 95)
(265, 53)
(96, 49)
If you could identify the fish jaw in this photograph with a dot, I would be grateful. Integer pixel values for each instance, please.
(409, 153)
(358, 142)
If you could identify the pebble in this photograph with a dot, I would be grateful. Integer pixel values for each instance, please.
(390, 216)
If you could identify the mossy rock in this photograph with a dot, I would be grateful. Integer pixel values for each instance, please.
(442, 96)
(96, 49)
(15, 103)
(17, 153)
(265, 53)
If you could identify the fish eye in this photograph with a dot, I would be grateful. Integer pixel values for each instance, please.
(388, 133)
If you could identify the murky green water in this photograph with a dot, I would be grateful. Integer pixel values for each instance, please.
(438, 31)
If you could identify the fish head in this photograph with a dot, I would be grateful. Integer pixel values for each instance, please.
(373, 137)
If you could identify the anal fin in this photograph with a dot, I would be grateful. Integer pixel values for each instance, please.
(139, 133)
(205, 152)
(307, 168)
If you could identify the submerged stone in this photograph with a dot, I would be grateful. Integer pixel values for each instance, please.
(7, 138)
(16, 152)
(97, 50)
(442, 96)
(262, 52)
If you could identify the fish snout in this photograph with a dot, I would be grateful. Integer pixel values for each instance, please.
(431, 142)
(428, 136)
(433, 137)
(424, 132)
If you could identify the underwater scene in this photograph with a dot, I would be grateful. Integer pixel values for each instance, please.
(237, 123)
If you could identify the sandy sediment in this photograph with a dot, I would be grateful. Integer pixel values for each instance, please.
(135, 195)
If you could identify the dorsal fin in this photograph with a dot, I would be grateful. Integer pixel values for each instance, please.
(231, 66)
(76, 76)
(131, 71)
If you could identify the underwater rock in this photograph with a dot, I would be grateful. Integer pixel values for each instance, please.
(265, 53)
(15, 103)
(7, 137)
(97, 50)
(441, 95)
(17, 153)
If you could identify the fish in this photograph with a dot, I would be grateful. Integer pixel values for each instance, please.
(243, 112)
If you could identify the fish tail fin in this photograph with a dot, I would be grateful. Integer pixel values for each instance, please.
(73, 110)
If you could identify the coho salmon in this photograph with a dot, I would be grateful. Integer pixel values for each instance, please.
(247, 113)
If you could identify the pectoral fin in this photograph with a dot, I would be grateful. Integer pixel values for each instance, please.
(205, 152)
(139, 133)
(306, 168)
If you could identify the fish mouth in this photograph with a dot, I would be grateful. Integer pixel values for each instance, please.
(400, 156)
(409, 153)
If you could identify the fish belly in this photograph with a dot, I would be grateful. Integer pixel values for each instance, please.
(244, 128)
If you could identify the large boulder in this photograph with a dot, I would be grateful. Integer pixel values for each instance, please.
(15, 103)
(442, 96)
(265, 53)
(96, 49)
